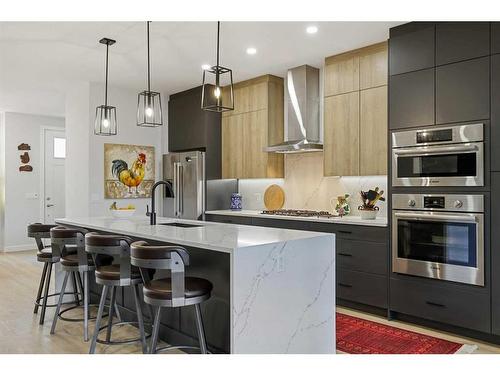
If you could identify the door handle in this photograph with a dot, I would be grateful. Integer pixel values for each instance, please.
(434, 304)
(50, 205)
(345, 285)
(345, 254)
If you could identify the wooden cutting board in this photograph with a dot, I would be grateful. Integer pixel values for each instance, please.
(274, 197)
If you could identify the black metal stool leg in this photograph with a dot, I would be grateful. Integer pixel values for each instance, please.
(40, 287)
(46, 294)
(98, 319)
(140, 320)
(156, 328)
(201, 329)
(85, 290)
(111, 313)
(75, 288)
(59, 303)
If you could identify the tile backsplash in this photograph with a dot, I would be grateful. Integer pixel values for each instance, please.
(306, 187)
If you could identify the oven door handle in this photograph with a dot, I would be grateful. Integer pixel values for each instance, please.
(429, 150)
(472, 218)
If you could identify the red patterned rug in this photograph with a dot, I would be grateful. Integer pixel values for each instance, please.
(360, 336)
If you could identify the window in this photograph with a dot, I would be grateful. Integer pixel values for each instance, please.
(59, 148)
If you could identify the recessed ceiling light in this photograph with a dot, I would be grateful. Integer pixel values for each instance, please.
(312, 29)
(205, 66)
(251, 50)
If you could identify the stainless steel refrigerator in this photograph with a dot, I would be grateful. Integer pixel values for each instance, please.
(185, 172)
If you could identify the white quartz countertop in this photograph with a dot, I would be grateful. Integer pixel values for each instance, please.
(353, 220)
(209, 235)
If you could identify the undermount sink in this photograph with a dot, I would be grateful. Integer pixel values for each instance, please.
(181, 225)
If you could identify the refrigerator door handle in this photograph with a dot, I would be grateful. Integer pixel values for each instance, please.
(180, 195)
(176, 189)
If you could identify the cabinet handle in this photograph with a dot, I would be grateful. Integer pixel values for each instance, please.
(434, 304)
(344, 285)
(345, 254)
(345, 231)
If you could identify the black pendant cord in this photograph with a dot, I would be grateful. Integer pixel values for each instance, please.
(217, 72)
(106, 84)
(149, 63)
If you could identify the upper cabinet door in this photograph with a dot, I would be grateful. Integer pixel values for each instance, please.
(495, 117)
(411, 98)
(373, 67)
(411, 47)
(341, 74)
(495, 37)
(458, 41)
(463, 91)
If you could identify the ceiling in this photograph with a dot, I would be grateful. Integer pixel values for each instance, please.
(39, 61)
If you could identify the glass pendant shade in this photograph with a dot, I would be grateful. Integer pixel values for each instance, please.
(149, 112)
(105, 120)
(217, 91)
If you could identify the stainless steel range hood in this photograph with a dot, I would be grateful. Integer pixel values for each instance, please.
(302, 130)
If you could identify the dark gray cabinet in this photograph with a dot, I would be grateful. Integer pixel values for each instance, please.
(191, 128)
(495, 37)
(495, 113)
(411, 99)
(362, 256)
(445, 304)
(361, 287)
(411, 47)
(495, 253)
(463, 91)
(228, 219)
(458, 41)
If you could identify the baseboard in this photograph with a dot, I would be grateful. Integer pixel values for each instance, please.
(11, 249)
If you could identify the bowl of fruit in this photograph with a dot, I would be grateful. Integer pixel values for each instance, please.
(121, 212)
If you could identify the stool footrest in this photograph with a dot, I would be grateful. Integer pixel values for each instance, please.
(77, 319)
(118, 342)
(179, 347)
(38, 301)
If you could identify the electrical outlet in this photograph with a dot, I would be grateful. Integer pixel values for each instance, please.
(281, 263)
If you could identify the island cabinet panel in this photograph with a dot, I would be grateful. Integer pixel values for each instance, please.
(361, 287)
(458, 41)
(463, 91)
(495, 252)
(445, 303)
(341, 139)
(355, 112)
(256, 122)
(411, 47)
(495, 112)
(191, 128)
(411, 99)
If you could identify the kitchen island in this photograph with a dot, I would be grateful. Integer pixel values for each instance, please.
(273, 288)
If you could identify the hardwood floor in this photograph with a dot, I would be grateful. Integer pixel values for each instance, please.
(19, 329)
(21, 333)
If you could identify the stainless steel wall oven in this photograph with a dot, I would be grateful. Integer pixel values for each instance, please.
(439, 236)
(439, 156)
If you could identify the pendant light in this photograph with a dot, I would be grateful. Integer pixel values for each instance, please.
(213, 97)
(105, 115)
(149, 113)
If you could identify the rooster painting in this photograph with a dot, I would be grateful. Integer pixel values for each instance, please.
(130, 177)
(128, 171)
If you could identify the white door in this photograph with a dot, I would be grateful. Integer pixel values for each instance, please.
(54, 193)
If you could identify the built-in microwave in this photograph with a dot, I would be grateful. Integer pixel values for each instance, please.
(439, 236)
(439, 156)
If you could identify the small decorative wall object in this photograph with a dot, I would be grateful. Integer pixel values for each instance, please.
(25, 168)
(25, 158)
(24, 147)
(342, 206)
(236, 202)
(129, 171)
(370, 198)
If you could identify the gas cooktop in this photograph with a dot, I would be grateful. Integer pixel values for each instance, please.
(299, 213)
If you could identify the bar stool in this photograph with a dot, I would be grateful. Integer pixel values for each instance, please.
(174, 291)
(44, 254)
(118, 274)
(68, 245)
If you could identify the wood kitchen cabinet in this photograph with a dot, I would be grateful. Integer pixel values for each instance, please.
(256, 122)
(355, 113)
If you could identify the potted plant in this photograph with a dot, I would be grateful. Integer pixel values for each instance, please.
(368, 209)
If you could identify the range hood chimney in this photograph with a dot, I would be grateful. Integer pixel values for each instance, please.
(302, 105)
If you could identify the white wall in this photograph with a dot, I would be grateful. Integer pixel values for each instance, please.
(19, 209)
(85, 189)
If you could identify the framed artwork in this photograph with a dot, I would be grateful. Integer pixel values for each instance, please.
(129, 171)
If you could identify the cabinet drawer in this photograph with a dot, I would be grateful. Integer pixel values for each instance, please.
(362, 288)
(360, 232)
(280, 223)
(362, 256)
(441, 304)
(229, 219)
